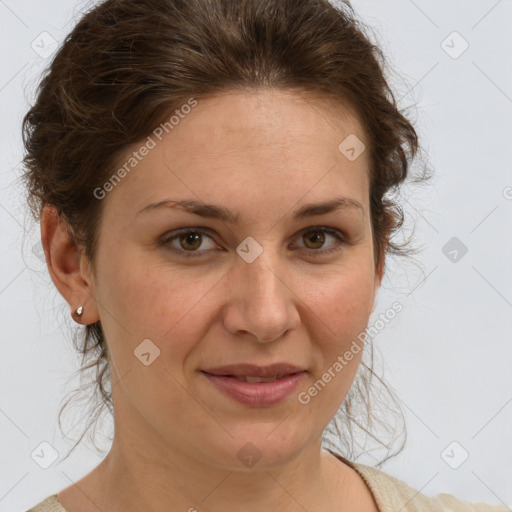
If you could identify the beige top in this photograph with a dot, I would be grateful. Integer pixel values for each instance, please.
(390, 494)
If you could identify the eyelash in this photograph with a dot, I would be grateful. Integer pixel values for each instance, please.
(197, 254)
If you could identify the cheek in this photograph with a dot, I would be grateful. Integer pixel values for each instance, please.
(156, 302)
(344, 304)
(148, 302)
(343, 307)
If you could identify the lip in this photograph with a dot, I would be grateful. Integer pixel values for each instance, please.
(252, 370)
(256, 394)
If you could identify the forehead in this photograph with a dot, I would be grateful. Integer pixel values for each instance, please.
(267, 146)
(264, 118)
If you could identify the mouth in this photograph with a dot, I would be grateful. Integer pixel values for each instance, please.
(256, 386)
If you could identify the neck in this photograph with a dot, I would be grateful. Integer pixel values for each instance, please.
(141, 472)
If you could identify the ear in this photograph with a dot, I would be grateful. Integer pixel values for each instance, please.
(68, 266)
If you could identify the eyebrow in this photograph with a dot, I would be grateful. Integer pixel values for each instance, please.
(219, 212)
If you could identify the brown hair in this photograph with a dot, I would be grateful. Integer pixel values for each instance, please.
(128, 63)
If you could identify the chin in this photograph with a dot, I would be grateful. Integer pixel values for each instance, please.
(259, 447)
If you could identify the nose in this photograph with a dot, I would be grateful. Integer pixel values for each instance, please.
(261, 301)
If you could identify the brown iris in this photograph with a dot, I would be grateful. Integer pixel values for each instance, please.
(317, 237)
(194, 239)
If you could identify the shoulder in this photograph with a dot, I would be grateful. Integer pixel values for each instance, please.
(392, 494)
(49, 504)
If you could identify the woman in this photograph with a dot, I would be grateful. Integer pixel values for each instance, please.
(211, 181)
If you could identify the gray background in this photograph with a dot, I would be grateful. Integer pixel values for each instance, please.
(447, 354)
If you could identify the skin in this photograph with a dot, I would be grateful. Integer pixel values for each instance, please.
(176, 440)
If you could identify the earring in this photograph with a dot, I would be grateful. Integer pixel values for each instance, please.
(79, 311)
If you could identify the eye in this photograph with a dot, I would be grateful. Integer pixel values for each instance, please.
(187, 242)
(315, 238)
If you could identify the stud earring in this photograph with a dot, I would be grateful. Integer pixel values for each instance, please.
(79, 311)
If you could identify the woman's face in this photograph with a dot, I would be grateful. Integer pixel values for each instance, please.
(269, 288)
